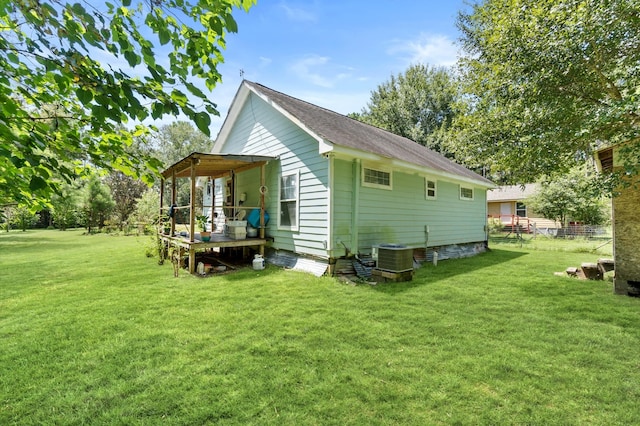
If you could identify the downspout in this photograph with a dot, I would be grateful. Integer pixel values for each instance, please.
(355, 205)
(330, 210)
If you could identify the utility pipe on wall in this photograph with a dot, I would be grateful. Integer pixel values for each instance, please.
(355, 205)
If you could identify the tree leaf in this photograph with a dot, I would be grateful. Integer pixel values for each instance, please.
(12, 57)
(164, 36)
(37, 183)
(203, 121)
(132, 58)
(232, 26)
(179, 97)
(84, 96)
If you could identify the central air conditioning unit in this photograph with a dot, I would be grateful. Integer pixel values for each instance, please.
(393, 257)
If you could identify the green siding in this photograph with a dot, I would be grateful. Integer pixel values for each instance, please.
(262, 130)
(383, 216)
(400, 215)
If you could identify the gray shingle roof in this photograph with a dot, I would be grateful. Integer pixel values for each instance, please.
(344, 131)
(511, 192)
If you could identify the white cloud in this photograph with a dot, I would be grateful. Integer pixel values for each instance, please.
(297, 14)
(429, 49)
(307, 70)
(264, 62)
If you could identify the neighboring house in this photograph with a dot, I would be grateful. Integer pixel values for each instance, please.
(508, 204)
(626, 227)
(340, 186)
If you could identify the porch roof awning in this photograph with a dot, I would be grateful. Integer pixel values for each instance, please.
(215, 165)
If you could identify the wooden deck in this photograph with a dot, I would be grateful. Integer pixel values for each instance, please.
(217, 240)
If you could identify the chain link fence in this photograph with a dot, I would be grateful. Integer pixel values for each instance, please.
(529, 228)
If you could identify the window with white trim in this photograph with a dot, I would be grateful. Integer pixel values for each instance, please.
(431, 191)
(466, 193)
(289, 200)
(376, 178)
(521, 209)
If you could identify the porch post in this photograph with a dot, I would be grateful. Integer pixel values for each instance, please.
(192, 202)
(262, 182)
(161, 203)
(173, 201)
(192, 217)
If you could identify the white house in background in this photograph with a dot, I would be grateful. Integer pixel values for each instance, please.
(339, 185)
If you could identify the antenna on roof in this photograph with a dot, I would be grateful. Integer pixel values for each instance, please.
(241, 73)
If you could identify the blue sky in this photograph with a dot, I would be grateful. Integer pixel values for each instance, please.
(334, 53)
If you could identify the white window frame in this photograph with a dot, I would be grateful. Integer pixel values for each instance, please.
(377, 168)
(462, 197)
(294, 226)
(434, 189)
(522, 209)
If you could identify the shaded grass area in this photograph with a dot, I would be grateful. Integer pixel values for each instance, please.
(91, 331)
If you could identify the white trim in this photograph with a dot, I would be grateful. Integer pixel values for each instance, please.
(376, 168)
(296, 226)
(232, 115)
(473, 192)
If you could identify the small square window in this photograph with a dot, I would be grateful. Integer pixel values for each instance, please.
(466, 193)
(431, 189)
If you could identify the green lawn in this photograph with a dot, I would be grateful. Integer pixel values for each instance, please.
(93, 332)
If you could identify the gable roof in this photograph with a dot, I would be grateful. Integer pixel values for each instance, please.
(511, 192)
(336, 130)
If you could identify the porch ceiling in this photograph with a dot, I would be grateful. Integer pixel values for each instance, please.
(215, 165)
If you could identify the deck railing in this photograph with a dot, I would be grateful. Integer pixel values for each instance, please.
(512, 222)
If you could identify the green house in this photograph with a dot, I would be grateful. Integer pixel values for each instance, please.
(339, 186)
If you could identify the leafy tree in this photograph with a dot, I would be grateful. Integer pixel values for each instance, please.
(174, 142)
(97, 203)
(177, 140)
(125, 191)
(544, 82)
(24, 218)
(65, 206)
(58, 102)
(574, 195)
(148, 207)
(416, 104)
(6, 215)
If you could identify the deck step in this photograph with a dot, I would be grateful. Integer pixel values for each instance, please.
(591, 271)
(606, 265)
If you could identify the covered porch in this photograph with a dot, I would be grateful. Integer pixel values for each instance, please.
(211, 166)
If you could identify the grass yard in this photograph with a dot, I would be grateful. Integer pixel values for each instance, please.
(92, 332)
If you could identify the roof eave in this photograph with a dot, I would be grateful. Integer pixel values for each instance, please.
(345, 152)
